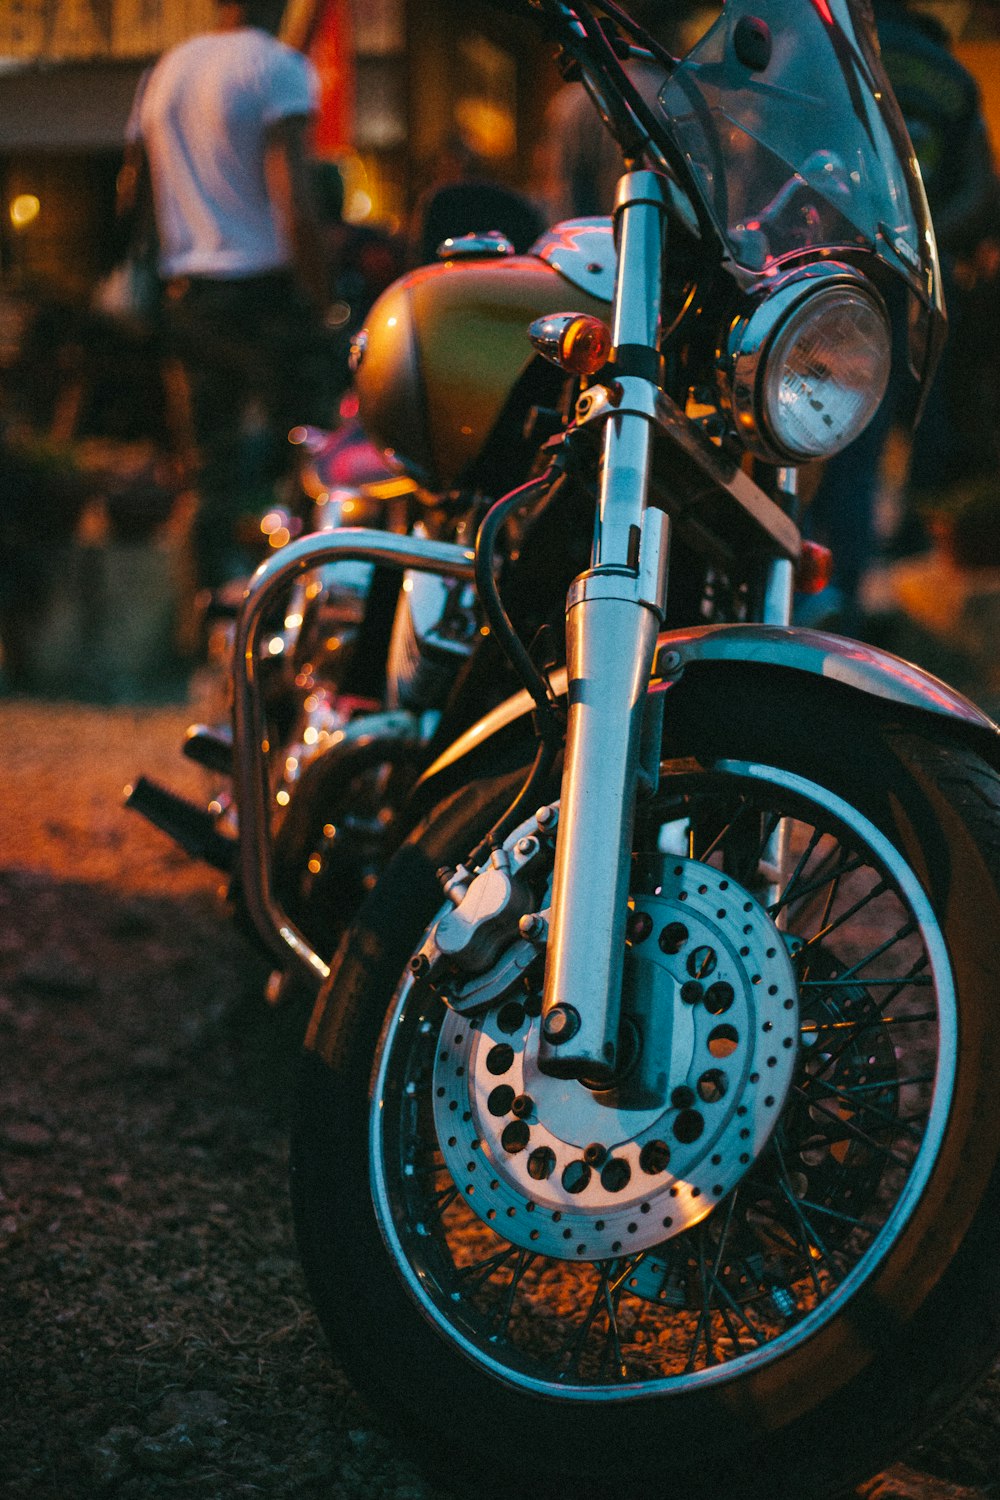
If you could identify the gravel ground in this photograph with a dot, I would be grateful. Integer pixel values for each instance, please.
(156, 1338)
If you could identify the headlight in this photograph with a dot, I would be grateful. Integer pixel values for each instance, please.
(807, 368)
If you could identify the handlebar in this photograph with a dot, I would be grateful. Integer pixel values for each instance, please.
(594, 53)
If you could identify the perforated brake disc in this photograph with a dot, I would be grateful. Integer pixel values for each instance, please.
(709, 1032)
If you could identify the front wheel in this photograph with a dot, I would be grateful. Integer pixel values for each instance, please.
(760, 1259)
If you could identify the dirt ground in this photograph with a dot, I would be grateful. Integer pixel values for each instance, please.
(155, 1338)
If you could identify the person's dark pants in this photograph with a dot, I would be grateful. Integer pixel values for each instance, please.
(244, 344)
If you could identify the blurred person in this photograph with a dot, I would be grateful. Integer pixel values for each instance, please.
(584, 162)
(222, 121)
(940, 103)
(361, 261)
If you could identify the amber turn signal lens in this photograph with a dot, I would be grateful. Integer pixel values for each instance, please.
(585, 346)
(574, 341)
(814, 568)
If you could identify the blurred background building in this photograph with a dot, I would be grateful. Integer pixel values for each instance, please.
(413, 92)
(401, 80)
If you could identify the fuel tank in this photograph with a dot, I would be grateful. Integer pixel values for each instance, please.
(445, 345)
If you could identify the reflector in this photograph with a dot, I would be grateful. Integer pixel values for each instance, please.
(814, 568)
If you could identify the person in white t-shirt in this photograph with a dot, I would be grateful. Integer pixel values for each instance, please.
(222, 122)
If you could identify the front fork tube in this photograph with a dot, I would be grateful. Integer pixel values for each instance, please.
(779, 596)
(779, 584)
(610, 646)
(614, 612)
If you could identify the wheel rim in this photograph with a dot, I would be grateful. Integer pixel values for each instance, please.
(774, 1255)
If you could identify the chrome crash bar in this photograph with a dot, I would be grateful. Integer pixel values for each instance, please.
(250, 761)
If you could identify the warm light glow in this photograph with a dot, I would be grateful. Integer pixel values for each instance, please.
(272, 522)
(282, 798)
(389, 489)
(314, 866)
(357, 207)
(24, 209)
(488, 126)
(280, 538)
(275, 646)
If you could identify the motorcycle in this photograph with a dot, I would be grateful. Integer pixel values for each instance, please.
(646, 1139)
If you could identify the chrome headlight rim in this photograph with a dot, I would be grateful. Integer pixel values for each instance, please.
(753, 334)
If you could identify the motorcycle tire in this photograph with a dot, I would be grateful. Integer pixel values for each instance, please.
(842, 1291)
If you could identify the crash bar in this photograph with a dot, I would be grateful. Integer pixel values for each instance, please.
(251, 777)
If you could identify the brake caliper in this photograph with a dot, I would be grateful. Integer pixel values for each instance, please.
(481, 948)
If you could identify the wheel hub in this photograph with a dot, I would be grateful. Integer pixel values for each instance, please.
(709, 1033)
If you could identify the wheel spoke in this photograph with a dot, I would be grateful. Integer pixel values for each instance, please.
(833, 1213)
(569, 1360)
(852, 1130)
(897, 1083)
(729, 1305)
(811, 1240)
(612, 1352)
(845, 1095)
(480, 1271)
(854, 970)
(703, 1327)
(725, 832)
(817, 883)
(845, 916)
(435, 1207)
(903, 981)
(506, 1306)
(790, 891)
(876, 1023)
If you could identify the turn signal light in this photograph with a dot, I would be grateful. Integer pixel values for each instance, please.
(575, 342)
(814, 568)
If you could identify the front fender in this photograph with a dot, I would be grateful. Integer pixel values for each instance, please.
(865, 669)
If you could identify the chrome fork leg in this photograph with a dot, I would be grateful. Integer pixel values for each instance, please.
(777, 610)
(613, 614)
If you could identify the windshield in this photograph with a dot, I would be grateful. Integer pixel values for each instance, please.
(795, 140)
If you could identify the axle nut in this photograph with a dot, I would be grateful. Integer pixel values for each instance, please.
(561, 1023)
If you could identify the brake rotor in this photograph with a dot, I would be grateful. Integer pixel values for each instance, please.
(708, 1047)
